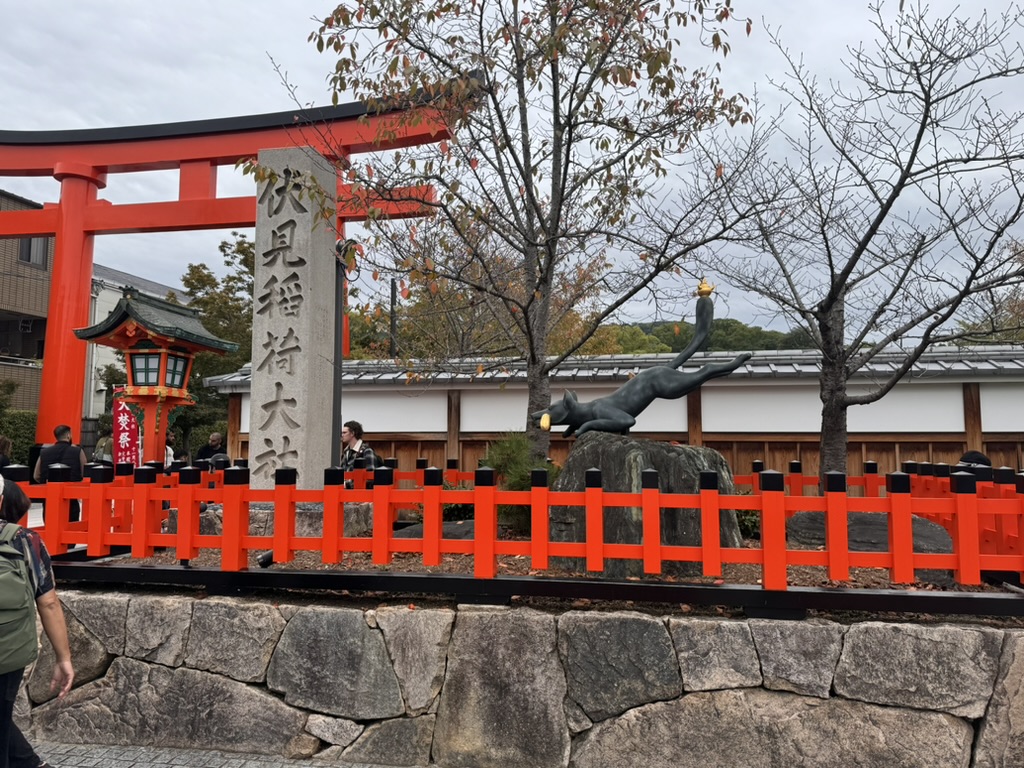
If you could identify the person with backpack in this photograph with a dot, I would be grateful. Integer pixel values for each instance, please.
(26, 586)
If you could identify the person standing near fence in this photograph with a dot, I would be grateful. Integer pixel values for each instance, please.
(62, 452)
(26, 546)
(354, 448)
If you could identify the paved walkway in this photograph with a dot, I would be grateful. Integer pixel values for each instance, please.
(82, 756)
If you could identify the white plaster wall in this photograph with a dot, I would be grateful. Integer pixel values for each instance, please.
(397, 410)
(1002, 407)
(912, 407)
(762, 407)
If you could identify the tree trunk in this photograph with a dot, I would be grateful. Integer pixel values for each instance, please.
(834, 379)
(539, 397)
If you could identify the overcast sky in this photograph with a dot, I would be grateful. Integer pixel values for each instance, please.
(104, 63)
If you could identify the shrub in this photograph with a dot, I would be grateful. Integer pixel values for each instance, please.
(510, 458)
(20, 426)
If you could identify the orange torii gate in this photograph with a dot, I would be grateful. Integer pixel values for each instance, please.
(82, 161)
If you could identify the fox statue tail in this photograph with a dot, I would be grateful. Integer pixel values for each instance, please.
(701, 330)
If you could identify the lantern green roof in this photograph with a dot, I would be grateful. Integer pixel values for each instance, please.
(158, 317)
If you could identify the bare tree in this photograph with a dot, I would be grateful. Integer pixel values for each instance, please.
(569, 184)
(884, 218)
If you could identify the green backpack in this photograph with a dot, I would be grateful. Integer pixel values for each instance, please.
(19, 643)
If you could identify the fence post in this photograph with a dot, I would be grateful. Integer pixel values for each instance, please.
(234, 556)
(966, 543)
(837, 533)
(143, 512)
(124, 474)
(97, 512)
(594, 500)
(756, 468)
(795, 479)
(1007, 529)
(451, 472)
(540, 526)
(872, 481)
(485, 523)
(710, 523)
(421, 466)
(433, 517)
(334, 515)
(650, 503)
(285, 479)
(901, 528)
(773, 530)
(383, 480)
(189, 479)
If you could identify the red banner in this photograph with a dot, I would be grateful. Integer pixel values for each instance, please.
(126, 432)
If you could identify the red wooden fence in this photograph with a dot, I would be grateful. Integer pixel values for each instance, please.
(984, 515)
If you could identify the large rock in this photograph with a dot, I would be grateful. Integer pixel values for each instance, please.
(945, 668)
(798, 656)
(764, 729)
(417, 642)
(233, 638)
(405, 741)
(351, 676)
(621, 460)
(617, 661)
(502, 701)
(309, 520)
(152, 705)
(103, 614)
(88, 653)
(157, 628)
(1001, 736)
(869, 532)
(715, 654)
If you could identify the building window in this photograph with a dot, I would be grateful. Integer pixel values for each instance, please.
(33, 250)
(176, 371)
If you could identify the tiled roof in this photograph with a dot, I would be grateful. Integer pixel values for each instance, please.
(940, 362)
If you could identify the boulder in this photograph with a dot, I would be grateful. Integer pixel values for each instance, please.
(152, 705)
(90, 658)
(417, 642)
(1000, 741)
(766, 729)
(233, 637)
(616, 661)
(352, 677)
(869, 532)
(715, 654)
(944, 667)
(621, 460)
(309, 520)
(502, 701)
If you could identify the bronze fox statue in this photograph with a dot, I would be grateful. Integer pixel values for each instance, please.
(617, 412)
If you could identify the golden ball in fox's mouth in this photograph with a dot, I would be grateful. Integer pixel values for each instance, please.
(545, 422)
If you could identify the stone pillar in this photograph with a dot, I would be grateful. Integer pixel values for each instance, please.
(293, 340)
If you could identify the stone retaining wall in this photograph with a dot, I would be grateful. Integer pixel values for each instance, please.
(495, 687)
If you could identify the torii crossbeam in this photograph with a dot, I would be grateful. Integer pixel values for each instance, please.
(83, 160)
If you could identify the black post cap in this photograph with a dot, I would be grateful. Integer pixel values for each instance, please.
(19, 473)
(241, 463)
(757, 466)
(649, 478)
(897, 482)
(592, 478)
(870, 467)
(708, 480)
(433, 476)
(384, 476)
(910, 467)
(941, 469)
(983, 473)
(124, 469)
(452, 464)
(1003, 475)
(221, 464)
(925, 469)
(796, 467)
(236, 476)
(334, 476)
(963, 482)
(145, 475)
(538, 478)
(99, 473)
(421, 463)
(286, 476)
(485, 476)
(835, 482)
(190, 476)
(58, 473)
(391, 462)
(772, 481)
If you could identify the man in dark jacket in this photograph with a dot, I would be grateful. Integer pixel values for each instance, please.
(62, 452)
(354, 448)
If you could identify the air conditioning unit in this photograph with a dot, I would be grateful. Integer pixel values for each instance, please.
(25, 325)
